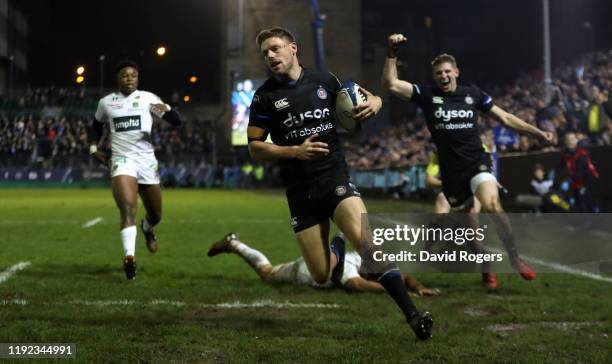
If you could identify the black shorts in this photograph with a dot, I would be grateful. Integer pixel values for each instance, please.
(315, 202)
(456, 184)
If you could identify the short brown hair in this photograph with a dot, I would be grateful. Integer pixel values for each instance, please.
(444, 58)
(277, 32)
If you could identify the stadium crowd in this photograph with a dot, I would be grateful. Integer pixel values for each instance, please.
(576, 101)
(25, 136)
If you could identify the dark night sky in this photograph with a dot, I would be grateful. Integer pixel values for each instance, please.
(494, 40)
(67, 33)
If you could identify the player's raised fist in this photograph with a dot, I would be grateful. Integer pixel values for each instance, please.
(547, 137)
(395, 40)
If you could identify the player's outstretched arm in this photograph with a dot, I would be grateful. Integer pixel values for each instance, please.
(416, 287)
(511, 121)
(263, 151)
(390, 80)
(359, 284)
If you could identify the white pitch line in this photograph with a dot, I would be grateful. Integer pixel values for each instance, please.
(272, 304)
(560, 267)
(222, 305)
(92, 222)
(13, 302)
(12, 270)
(166, 222)
(38, 222)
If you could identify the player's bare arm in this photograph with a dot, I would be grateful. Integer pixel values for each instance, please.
(359, 284)
(511, 121)
(416, 287)
(264, 151)
(96, 133)
(390, 81)
(369, 108)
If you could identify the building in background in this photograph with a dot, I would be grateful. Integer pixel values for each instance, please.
(14, 33)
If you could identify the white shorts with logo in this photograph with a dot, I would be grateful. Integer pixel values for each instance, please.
(144, 169)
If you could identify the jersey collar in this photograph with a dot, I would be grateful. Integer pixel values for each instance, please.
(135, 92)
(293, 83)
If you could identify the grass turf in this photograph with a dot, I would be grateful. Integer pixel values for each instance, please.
(75, 291)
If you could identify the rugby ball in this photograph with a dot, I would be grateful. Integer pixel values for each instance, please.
(348, 97)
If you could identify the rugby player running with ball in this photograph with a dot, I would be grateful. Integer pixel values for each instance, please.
(296, 108)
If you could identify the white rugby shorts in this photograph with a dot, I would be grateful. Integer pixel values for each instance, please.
(144, 169)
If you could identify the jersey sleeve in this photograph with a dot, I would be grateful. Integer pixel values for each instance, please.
(350, 272)
(259, 115)
(100, 114)
(334, 83)
(485, 102)
(421, 95)
(352, 263)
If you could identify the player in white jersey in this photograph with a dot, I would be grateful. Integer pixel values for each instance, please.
(134, 170)
(296, 271)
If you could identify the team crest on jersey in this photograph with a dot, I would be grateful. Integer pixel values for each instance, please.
(437, 100)
(134, 104)
(340, 190)
(322, 93)
(469, 100)
(483, 167)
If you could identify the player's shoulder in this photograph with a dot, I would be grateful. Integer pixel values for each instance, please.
(321, 76)
(147, 94)
(422, 92)
(113, 96)
(470, 89)
(268, 87)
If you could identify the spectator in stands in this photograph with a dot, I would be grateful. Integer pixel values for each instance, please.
(581, 173)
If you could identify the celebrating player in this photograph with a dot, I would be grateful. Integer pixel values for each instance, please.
(296, 107)
(451, 114)
(296, 272)
(133, 164)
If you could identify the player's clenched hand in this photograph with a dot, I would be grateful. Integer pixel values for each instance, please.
(311, 149)
(369, 108)
(101, 157)
(395, 40)
(159, 108)
(548, 137)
